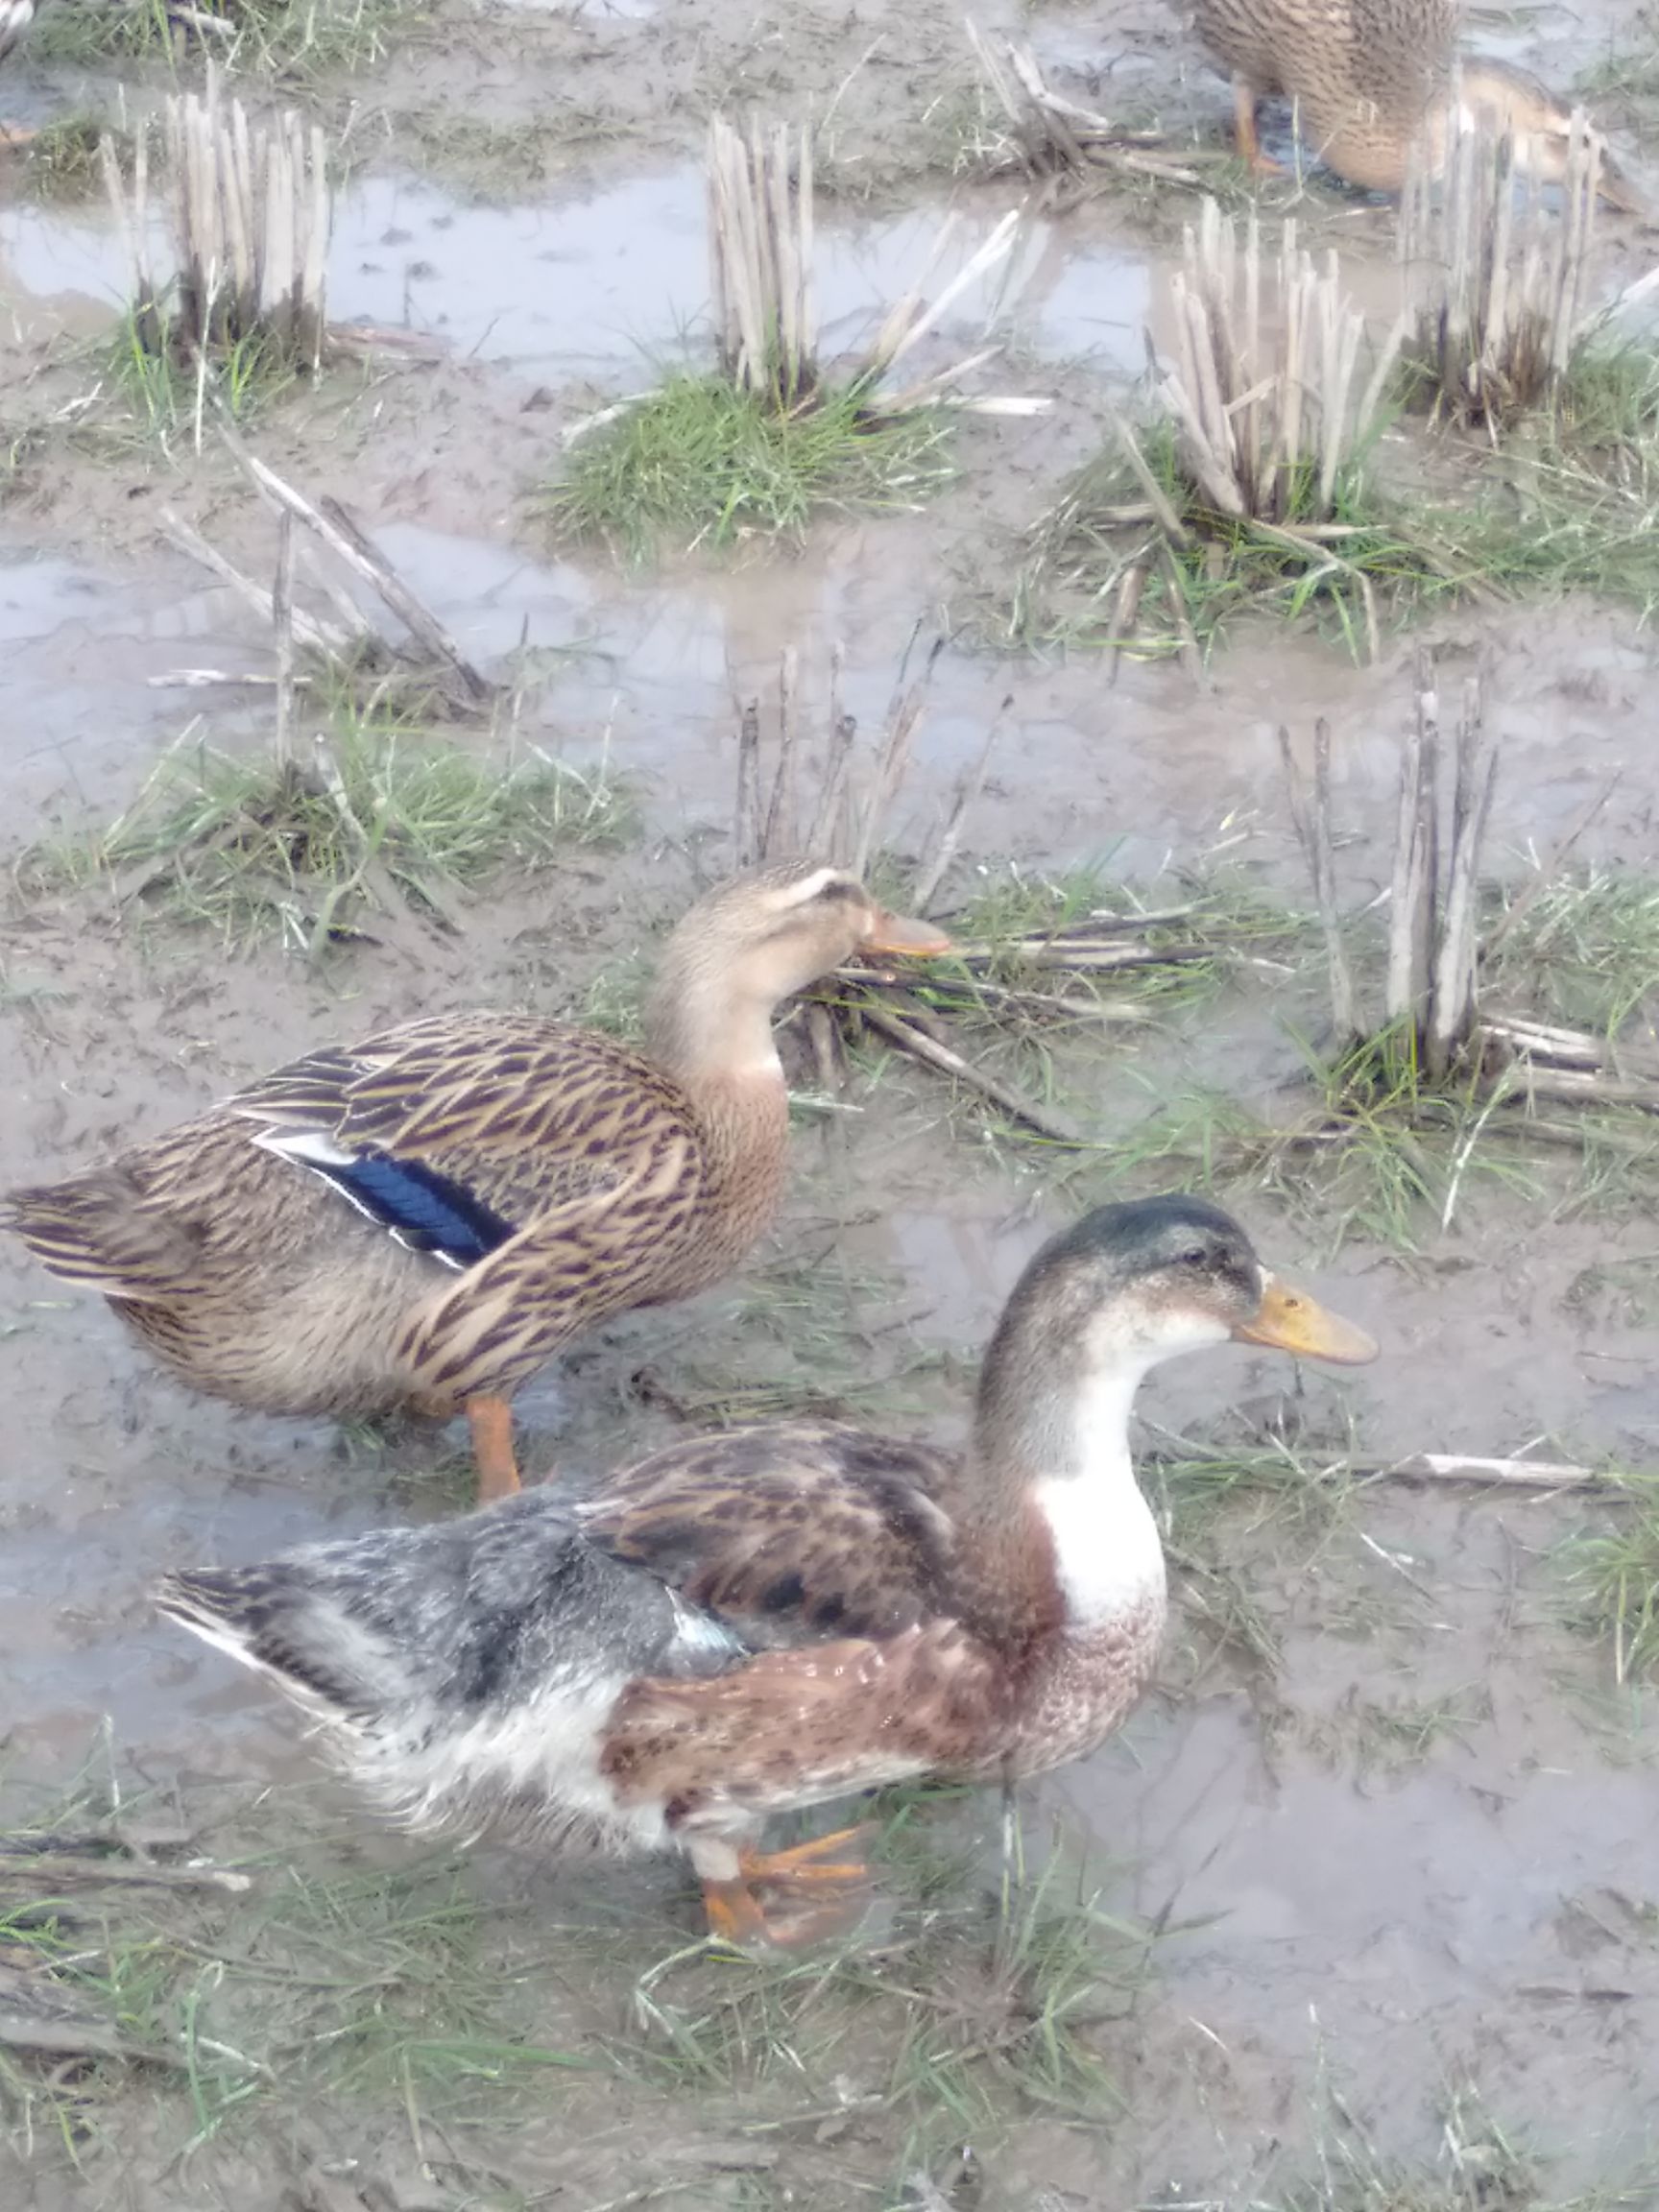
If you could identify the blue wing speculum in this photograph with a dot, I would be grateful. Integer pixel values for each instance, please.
(423, 1210)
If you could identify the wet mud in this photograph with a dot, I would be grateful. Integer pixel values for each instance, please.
(1332, 1910)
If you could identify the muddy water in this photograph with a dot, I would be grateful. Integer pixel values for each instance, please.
(607, 283)
(85, 653)
(1470, 1919)
(1155, 766)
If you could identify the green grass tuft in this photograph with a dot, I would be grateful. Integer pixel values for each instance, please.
(248, 848)
(62, 161)
(1070, 589)
(1480, 2169)
(1586, 952)
(969, 2014)
(295, 39)
(168, 399)
(1567, 504)
(698, 462)
(1623, 74)
(1613, 1578)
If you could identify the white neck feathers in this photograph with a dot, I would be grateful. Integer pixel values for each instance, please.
(1107, 1551)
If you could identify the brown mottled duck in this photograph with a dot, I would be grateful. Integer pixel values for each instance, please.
(423, 1220)
(757, 1623)
(1367, 76)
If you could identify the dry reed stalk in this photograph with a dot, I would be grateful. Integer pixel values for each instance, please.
(760, 245)
(1046, 134)
(251, 210)
(848, 815)
(1433, 946)
(1310, 812)
(350, 649)
(1413, 903)
(1264, 391)
(760, 249)
(1451, 988)
(933, 1052)
(283, 623)
(1494, 272)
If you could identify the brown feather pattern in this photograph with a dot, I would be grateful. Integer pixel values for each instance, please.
(760, 1621)
(893, 1636)
(256, 1282)
(424, 1217)
(789, 1531)
(1365, 75)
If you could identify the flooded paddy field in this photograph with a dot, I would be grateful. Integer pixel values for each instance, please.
(1361, 1908)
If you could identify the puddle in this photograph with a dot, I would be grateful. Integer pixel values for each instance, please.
(1316, 1916)
(79, 718)
(604, 285)
(1082, 770)
(1570, 689)
(63, 274)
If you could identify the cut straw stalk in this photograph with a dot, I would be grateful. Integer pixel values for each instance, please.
(1494, 270)
(251, 210)
(760, 246)
(761, 229)
(1434, 946)
(1265, 405)
(847, 817)
(1038, 130)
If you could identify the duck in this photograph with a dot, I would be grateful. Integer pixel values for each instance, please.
(1367, 75)
(751, 1624)
(418, 1221)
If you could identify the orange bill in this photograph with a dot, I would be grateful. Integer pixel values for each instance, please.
(891, 933)
(1291, 1321)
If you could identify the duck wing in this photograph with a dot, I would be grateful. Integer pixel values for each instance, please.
(788, 1534)
(827, 1552)
(473, 1138)
(459, 1132)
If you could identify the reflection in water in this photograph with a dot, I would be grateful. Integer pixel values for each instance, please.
(601, 284)
(79, 717)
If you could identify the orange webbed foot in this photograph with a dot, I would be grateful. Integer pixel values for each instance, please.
(812, 1864)
(738, 1916)
(491, 1420)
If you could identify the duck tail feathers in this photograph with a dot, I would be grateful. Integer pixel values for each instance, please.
(272, 1620)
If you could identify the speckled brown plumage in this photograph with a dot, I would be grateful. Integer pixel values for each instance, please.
(904, 1609)
(290, 1301)
(425, 1217)
(750, 1623)
(792, 1525)
(1367, 76)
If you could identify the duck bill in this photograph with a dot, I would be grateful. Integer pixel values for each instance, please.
(1291, 1321)
(890, 934)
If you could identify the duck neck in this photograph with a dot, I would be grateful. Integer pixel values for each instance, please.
(701, 1030)
(717, 1044)
(1062, 1524)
